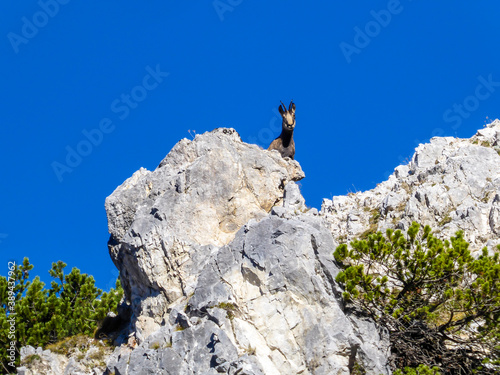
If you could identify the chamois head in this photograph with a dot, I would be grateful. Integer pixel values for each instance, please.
(288, 116)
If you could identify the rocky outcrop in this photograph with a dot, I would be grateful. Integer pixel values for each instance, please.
(44, 361)
(166, 224)
(450, 184)
(227, 271)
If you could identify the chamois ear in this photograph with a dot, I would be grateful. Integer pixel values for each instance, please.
(291, 107)
(282, 109)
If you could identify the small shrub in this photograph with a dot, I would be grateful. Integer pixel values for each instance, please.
(406, 187)
(440, 305)
(447, 219)
(31, 359)
(358, 369)
(99, 355)
(66, 345)
(250, 350)
(155, 346)
(420, 370)
(342, 238)
(486, 197)
(373, 221)
(229, 307)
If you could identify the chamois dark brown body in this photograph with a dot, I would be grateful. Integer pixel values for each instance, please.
(284, 143)
(286, 147)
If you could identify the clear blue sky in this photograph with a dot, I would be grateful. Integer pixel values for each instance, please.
(371, 80)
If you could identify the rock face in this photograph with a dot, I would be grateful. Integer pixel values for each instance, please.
(228, 272)
(450, 184)
(263, 304)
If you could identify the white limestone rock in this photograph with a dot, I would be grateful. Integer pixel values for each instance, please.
(450, 184)
(165, 224)
(266, 303)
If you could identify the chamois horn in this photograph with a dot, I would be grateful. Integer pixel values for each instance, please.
(284, 106)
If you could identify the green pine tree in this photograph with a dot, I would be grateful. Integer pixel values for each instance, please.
(73, 305)
(440, 305)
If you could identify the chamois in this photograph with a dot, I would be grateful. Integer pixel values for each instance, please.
(284, 143)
